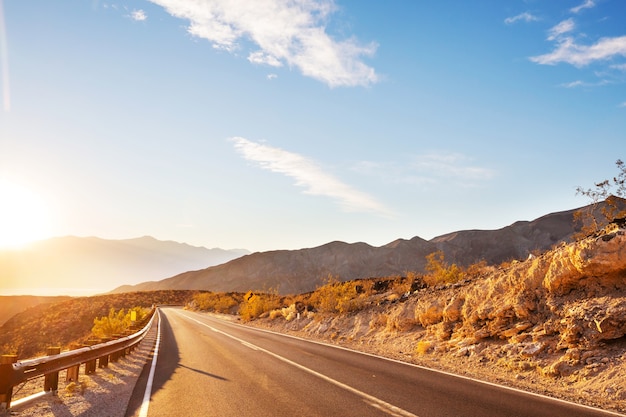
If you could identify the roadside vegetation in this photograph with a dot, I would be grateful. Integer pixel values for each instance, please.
(611, 191)
(337, 297)
(116, 323)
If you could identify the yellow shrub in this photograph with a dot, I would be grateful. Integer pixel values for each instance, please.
(114, 323)
(217, 302)
(423, 347)
(439, 272)
(337, 297)
(255, 304)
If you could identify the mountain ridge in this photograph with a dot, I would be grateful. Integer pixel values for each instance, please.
(302, 270)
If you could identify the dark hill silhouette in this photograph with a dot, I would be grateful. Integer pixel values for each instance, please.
(298, 271)
(87, 265)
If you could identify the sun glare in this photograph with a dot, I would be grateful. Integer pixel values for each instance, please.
(24, 217)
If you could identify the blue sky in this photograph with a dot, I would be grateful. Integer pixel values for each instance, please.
(282, 125)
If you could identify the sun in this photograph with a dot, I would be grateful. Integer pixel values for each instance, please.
(24, 216)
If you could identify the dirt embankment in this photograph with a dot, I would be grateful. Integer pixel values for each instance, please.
(554, 324)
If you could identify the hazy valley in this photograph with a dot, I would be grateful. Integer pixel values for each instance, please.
(90, 265)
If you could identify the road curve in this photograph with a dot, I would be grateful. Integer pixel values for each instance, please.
(212, 367)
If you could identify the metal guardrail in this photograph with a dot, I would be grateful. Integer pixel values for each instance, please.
(13, 373)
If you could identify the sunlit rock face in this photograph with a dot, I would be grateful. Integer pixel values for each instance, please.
(570, 298)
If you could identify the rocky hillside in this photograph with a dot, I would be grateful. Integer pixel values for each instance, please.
(88, 265)
(554, 324)
(298, 271)
(11, 305)
(61, 323)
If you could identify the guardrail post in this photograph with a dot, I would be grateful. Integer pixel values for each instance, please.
(90, 366)
(72, 371)
(6, 374)
(72, 374)
(115, 356)
(103, 361)
(51, 381)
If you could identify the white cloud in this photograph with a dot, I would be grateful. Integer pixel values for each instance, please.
(272, 76)
(568, 51)
(588, 4)
(623, 104)
(309, 175)
(563, 27)
(288, 33)
(138, 15)
(259, 57)
(619, 67)
(526, 17)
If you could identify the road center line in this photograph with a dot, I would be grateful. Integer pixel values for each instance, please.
(369, 399)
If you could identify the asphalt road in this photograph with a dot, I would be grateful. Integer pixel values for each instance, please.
(211, 367)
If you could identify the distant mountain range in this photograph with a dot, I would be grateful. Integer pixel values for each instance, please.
(89, 265)
(299, 271)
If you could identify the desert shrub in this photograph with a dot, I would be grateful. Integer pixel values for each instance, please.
(590, 219)
(439, 272)
(217, 302)
(74, 388)
(423, 347)
(255, 304)
(274, 314)
(114, 323)
(288, 313)
(406, 284)
(337, 297)
(117, 322)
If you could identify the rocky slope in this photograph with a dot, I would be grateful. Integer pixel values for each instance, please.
(298, 271)
(28, 333)
(554, 324)
(11, 305)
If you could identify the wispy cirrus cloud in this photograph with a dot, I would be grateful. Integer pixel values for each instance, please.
(587, 4)
(561, 28)
(291, 33)
(308, 175)
(570, 52)
(523, 17)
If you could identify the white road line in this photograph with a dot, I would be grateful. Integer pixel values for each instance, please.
(143, 411)
(369, 399)
(249, 345)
